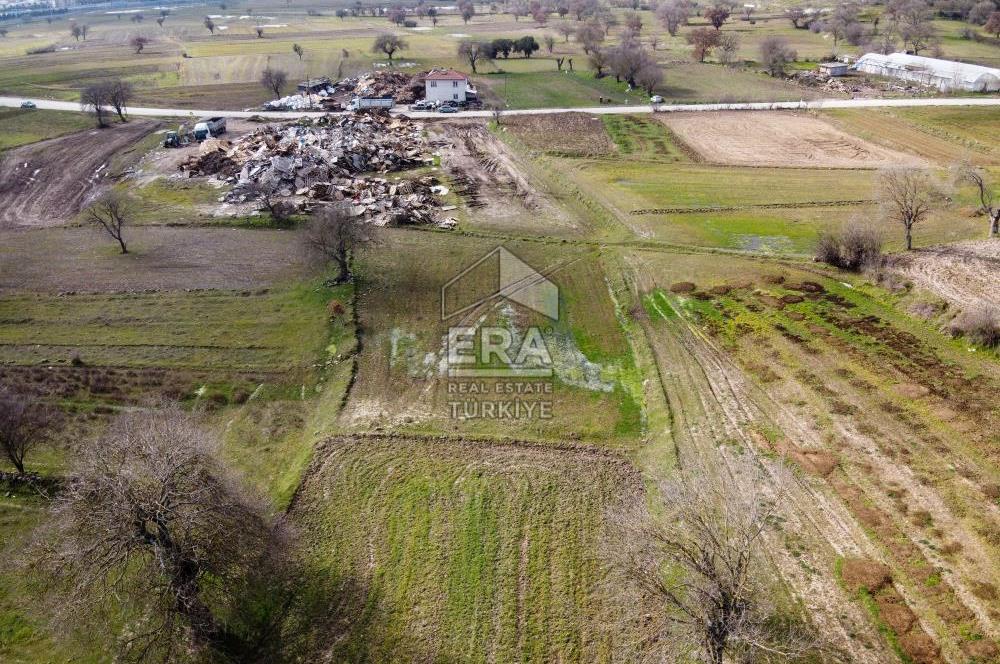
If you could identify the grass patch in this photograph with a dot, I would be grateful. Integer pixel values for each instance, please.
(465, 551)
(22, 126)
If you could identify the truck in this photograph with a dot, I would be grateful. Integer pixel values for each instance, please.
(364, 103)
(209, 128)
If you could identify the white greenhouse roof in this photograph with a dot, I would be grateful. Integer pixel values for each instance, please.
(949, 69)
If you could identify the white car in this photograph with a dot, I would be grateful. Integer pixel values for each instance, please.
(656, 99)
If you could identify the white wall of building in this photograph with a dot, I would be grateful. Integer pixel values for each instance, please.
(438, 90)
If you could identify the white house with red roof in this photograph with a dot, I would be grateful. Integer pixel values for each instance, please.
(443, 85)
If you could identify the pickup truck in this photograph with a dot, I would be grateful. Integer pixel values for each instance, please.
(363, 103)
(209, 128)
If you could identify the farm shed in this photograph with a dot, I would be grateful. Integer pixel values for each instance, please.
(942, 74)
(833, 68)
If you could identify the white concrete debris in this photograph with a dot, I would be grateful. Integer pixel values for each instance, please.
(331, 158)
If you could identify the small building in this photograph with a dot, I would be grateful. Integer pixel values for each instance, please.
(314, 85)
(941, 74)
(443, 85)
(833, 68)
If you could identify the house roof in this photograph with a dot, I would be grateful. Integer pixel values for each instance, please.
(957, 71)
(446, 75)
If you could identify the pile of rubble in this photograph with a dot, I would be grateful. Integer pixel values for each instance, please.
(405, 88)
(854, 85)
(322, 160)
(299, 102)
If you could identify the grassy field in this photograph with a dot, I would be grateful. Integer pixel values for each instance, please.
(187, 66)
(23, 126)
(596, 390)
(242, 331)
(463, 550)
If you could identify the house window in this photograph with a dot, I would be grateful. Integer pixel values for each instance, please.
(454, 84)
(455, 96)
(434, 84)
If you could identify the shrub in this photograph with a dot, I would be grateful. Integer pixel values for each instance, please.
(980, 326)
(334, 308)
(854, 247)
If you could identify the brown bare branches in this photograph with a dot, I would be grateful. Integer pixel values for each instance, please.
(987, 196)
(23, 425)
(906, 195)
(334, 235)
(152, 530)
(112, 212)
(699, 573)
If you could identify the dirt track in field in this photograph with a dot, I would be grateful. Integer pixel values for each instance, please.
(964, 273)
(779, 139)
(47, 183)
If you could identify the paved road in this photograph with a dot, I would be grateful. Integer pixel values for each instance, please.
(596, 110)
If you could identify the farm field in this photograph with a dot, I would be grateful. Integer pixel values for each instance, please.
(184, 65)
(820, 357)
(457, 378)
(481, 551)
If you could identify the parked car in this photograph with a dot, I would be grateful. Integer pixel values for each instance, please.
(28, 104)
(422, 105)
(448, 109)
(656, 99)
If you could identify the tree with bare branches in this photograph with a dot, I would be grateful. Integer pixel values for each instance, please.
(700, 567)
(906, 195)
(119, 94)
(95, 99)
(298, 50)
(209, 25)
(24, 424)
(153, 531)
(987, 196)
(274, 79)
(113, 211)
(333, 234)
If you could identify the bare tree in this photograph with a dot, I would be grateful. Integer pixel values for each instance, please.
(94, 99)
(673, 14)
(152, 530)
(776, 54)
(729, 46)
(260, 32)
(700, 568)
(112, 212)
(209, 25)
(334, 234)
(987, 196)
(649, 77)
(138, 42)
(906, 195)
(274, 79)
(119, 94)
(550, 42)
(702, 41)
(298, 50)
(798, 17)
(496, 112)
(718, 14)
(992, 25)
(389, 43)
(23, 425)
(474, 52)
(598, 61)
(281, 211)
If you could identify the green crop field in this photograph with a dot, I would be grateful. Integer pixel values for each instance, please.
(463, 550)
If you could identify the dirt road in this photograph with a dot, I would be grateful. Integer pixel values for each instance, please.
(47, 183)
